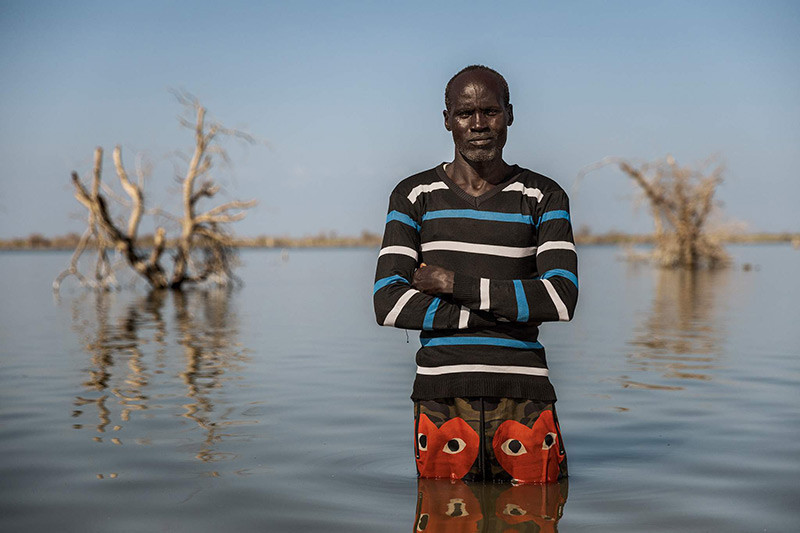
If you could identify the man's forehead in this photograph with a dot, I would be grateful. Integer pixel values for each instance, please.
(482, 79)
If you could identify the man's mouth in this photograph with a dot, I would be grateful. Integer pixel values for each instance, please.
(483, 141)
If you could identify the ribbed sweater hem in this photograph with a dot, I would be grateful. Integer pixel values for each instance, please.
(481, 384)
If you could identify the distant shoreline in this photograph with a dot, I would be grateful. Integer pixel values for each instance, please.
(373, 240)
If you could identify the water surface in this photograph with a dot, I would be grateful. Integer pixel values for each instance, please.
(283, 407)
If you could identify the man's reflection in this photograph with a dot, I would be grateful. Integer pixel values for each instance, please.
(457, 507)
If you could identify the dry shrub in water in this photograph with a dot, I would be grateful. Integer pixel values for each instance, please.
(680, 200)
(204, 248)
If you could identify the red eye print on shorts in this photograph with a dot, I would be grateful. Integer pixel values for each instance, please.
(530, 455)
(448, 451)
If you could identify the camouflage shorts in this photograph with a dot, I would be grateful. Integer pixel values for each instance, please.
(488, 439)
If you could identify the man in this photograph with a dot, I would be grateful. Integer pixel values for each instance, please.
(477, 253)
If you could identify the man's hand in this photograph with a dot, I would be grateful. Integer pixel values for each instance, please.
(433, 280)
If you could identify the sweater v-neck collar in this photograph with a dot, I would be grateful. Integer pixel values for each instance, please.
(476, 201)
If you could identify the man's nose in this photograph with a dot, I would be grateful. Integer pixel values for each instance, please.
(478, 121)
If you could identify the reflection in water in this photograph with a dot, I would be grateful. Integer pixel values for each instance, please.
(209, 355)
(680, 338)
(132, 366)
(448, 507)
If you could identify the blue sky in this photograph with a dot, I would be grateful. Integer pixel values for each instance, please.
(349, 97)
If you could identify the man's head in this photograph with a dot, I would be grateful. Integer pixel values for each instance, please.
(448, 101)
(478, 113)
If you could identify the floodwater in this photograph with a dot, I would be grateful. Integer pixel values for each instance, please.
(283, 407)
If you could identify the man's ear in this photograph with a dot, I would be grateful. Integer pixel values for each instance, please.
(446, 120)
(510, 111)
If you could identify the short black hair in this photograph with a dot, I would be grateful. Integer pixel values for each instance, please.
(484, 68)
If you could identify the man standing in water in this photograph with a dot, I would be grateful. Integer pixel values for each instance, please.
(478, 253)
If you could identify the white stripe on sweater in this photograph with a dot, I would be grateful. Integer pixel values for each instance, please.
(484, 295)
(463, 318)
(428, 187)
(497, 369)
(526, 191)
(401, 302)
(400, 250)
(563, 314)
(555, 245)
(485, 249)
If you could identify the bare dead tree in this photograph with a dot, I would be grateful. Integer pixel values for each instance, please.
(680, 200)
(204, 250)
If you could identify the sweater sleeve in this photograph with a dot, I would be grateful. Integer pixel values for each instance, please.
(396, 302)
(550, 296)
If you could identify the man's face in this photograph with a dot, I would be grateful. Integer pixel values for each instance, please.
(478, 118)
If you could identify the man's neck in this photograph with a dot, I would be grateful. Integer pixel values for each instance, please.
(477, 177)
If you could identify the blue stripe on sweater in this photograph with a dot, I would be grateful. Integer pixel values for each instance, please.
(402, 217)
(479, 341)
(381, 283)
(430, 313)
(563, 273)
(522, 302)
(553, 215)
(479, 215)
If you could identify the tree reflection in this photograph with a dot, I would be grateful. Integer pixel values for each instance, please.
(445, 506)
(140, 361)
(680, 338)
(209, 354)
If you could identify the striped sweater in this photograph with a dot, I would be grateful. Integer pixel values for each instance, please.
(515, 266)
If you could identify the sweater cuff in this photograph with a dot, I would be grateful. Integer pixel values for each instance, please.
(481, 319)
(467, 290)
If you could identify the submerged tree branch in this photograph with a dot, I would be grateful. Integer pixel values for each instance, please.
(204, 249)
(680, 201)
